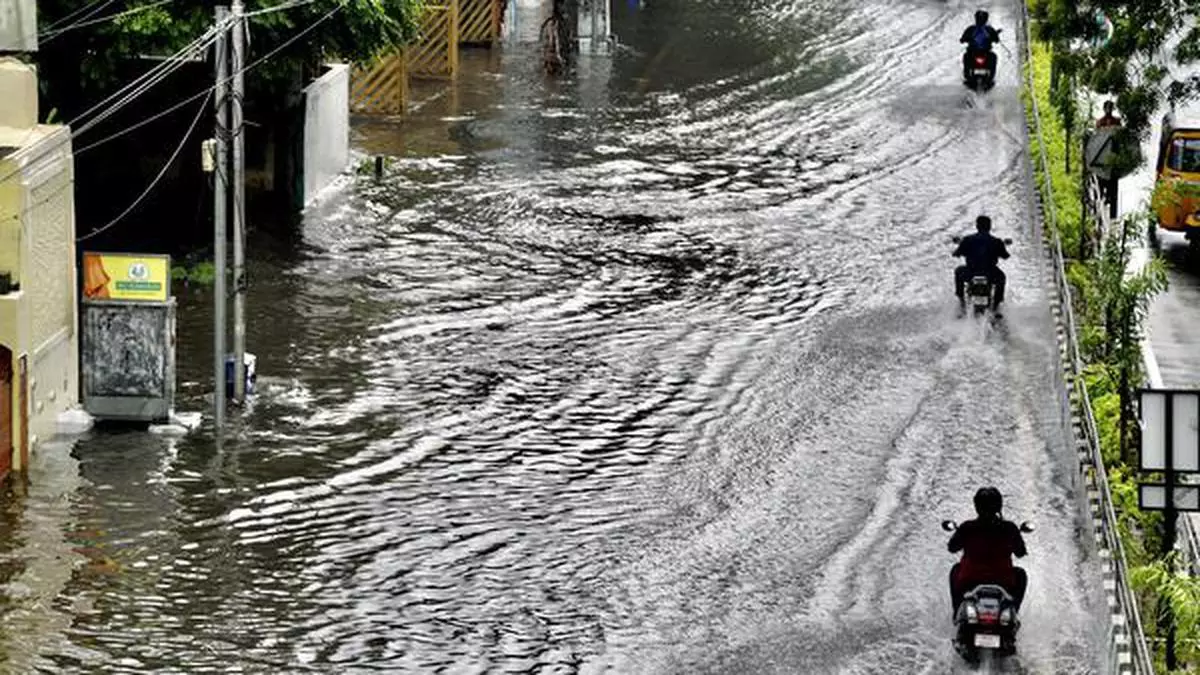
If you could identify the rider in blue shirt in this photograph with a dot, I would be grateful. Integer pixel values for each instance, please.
(979, 40)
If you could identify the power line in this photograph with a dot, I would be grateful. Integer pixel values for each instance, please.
(148, 80)
(161, 173)
(134, 127)
(206, 93)
(207, 39)
(130, 91)
(280, 7)
(208, 90)
(51, 34)
(84, 8)
(91, 8)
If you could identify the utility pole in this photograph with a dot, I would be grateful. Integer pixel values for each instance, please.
(239, 207)
(220, 208)
(1170, 518)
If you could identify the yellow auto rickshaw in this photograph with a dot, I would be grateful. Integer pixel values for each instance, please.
(1176, 199)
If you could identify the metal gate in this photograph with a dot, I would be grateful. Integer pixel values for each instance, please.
(6, 410)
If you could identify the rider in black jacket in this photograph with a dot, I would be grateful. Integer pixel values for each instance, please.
(982, 252)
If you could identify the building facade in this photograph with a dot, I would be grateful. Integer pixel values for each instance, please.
(39, 354)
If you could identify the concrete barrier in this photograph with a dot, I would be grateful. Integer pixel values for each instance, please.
(326, 129)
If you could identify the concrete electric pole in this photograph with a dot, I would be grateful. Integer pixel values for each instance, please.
(239, 206)
(220, 209)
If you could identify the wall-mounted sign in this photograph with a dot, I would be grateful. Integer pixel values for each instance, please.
(120, 276)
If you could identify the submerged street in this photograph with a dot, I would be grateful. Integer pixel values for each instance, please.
(655, 369)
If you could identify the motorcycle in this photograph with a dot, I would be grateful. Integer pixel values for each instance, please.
(980, 76)
(986, 620)
(980, 290)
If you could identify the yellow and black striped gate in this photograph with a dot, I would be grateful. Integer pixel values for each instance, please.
(480, 21)
(436, 53)
(380, 87)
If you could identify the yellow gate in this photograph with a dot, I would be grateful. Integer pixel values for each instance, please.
(480, 22)
(380, 88)
(436, 54)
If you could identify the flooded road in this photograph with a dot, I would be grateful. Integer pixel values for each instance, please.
(655, 370)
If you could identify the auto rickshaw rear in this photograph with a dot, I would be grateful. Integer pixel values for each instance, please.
(1176, 199)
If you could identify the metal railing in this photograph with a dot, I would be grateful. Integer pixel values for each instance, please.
(1127, 602)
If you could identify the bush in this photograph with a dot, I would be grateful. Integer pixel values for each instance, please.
(1110, 307)
(1065, 196)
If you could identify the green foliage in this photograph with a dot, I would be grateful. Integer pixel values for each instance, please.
(1174, 591)
(366, 166)
(1065, 192)
(87, 61)
(203, 273)
(1111, 305)
(1131, 66)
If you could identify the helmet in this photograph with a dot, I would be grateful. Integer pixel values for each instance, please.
(988, 502)
(981, 17)
(983, 224)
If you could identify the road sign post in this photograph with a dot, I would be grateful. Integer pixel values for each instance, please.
(1170, 444)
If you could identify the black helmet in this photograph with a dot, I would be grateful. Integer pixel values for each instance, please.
(983, 224)
(981, 17)
(988, 502)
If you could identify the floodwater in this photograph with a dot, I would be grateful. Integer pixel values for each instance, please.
(651, 370)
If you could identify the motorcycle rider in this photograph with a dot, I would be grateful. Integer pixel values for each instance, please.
(988, 544)
(979, 40)
(982, 252)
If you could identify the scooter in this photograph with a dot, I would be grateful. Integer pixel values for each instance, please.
(980, 290)
(980, 76)
(986, 622)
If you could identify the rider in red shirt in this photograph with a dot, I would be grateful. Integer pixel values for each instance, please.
(988, 544)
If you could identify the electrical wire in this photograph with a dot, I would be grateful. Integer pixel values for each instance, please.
(129, 92)
(167, 165)
(84, 8)
(206, 93)
(207, 39)
(94, 7)
(277, 8)
(197, 95)
(51, 34)
(148, 80)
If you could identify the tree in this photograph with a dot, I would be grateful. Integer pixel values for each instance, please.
(1132, 65)
(81, 65)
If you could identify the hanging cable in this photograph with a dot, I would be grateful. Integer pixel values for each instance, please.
(129, 92)
(197, 95)
(91, 8)
(51, 34)
(161, 173)
(208, 38)
(84, 8)
(144, 83)
(278, 8)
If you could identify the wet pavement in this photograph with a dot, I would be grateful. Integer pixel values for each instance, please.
(655, 369)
